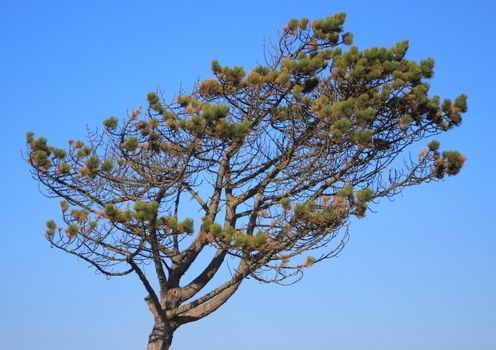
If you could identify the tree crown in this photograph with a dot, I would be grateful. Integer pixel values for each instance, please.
(277, 159)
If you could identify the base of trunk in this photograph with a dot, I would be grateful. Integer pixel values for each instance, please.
(160, 338)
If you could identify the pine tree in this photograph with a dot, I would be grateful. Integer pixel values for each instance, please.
(291, 150)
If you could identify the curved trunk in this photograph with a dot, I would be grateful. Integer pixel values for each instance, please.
(160, 337)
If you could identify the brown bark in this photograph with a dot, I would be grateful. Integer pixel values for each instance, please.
(160, 337)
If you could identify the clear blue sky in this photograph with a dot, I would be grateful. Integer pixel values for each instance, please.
(419, 274)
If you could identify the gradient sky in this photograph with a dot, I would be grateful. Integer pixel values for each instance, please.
(418, 274)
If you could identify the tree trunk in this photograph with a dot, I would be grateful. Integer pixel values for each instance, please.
(160, 338)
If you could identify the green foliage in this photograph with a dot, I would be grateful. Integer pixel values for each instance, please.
(64, 206)
(399, 50)
(347, 191)
(64, 168)
(427, 67)
(242, 241)
(461, 103)
(451, 156)
(453, 162)
(262, 70)
(72, 230)
(107, 165)
(286, 203)
(93, 164)
(228, 233)
(77, 144)
(206, 223)
(324, 217)
(29, 137)
(216, 67)
(446, 107)
(210, 88)
(83, 152)
(131, 144)
(343, 124)
(304, 23)
(234, 75)
(110, 210)
(310, 84)
(172, 222)
(293, 24)
(80, 215)
(92, 225)
(240, 130)
(51, 226)
(307, 66)
(343, 109)
(362, 137)
(152, 98)
(187, 225)
(420, 92)
(59, 153)
(111, 123)
(184, 100)
(147, 211)
(365, 115)
(214, 113)
(328, 28)
(260, 239)
(216, 229)
(154, 102)
(40, 144)
(433, 145)
(348, 38)
(404, 121)
(299, 210)
(365, 195)
(41, 159)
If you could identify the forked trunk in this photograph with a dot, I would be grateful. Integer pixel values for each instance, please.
(160, 338)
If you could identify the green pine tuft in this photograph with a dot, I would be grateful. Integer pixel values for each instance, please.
(107, 165)
(348, 39)
(51, 225)
(285, 203)
(300, 211)
(216, 229)
(152, 98)
(427, 67)
(433, 145)
(59, 153)
(187, 225)
(365, 195)
(216, 67)
(461, 103)
(362, 137)
(111, 123)
(454, 161)
(72, 230)
(346, 191)
(260, 239)
(183, 101)
(93, 163)
(83, 152)
(64, 168)
(29, 137)
(343, 124)
(131, 143)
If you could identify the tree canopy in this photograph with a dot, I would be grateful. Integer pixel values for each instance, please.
(276, 160)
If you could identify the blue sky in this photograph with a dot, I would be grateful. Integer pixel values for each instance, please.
(418, 274)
